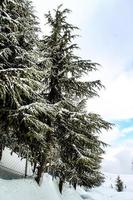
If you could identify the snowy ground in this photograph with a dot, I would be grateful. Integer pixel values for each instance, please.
(106, 192)
(27, 189)
(14, 164)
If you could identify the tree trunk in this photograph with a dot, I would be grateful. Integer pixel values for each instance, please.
(1, 151)
(61, 186)
(75, 185)
(34, 168)
(40, 172)
(26, 164)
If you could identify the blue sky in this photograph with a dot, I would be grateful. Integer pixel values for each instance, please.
(106, 29)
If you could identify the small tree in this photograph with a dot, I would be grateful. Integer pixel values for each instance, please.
(119, 184)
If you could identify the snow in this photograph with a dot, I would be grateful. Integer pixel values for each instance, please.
(105, 192)
(27, 189)
(70, 194)
(14, 163)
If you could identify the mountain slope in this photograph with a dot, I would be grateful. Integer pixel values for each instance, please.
(27, 189)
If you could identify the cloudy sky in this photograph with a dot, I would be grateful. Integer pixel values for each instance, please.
(106, 29)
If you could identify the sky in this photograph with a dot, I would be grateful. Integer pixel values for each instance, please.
(106, 37)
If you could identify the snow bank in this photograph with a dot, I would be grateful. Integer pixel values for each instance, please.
(27, 189)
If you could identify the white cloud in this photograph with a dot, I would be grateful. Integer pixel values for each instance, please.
(116, 102)
(119, 159)
(119, 156)
(127, 130)
(111, 136)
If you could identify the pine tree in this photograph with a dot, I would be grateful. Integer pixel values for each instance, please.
(78, 148)
(119, 184)
(22, 111)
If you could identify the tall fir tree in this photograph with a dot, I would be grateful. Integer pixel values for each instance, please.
(78, 148)
(22, 111)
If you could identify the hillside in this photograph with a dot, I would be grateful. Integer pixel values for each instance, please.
(27, 189)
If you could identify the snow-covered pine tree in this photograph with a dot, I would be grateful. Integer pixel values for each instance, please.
(79, 149)
(119, 184)
(22, 113)
(15, 64)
